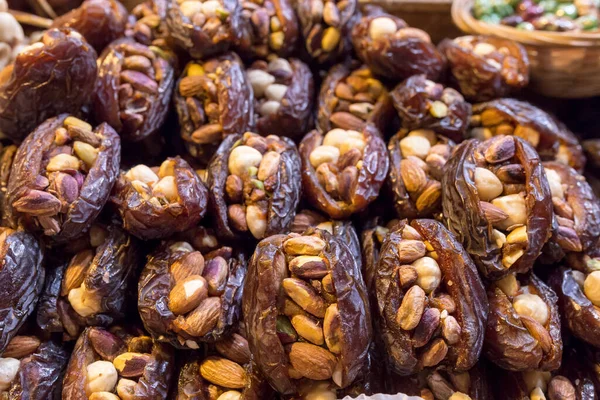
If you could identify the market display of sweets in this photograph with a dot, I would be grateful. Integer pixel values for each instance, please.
(289, 200)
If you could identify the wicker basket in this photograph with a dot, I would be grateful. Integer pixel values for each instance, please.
(565, 65)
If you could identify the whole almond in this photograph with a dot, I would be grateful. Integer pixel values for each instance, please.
(414, 178)
(538, 332)
(501, 149)
(75, 272)
(313, 362)
(187, 294)
(21, 346)
(189, 264)
(346, 120)
(201, 320)
(223, 372)
(492, 213)
(235, 348)
(411, 309)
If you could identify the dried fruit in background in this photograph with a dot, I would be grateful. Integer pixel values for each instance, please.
(394, 50)
(254, 185)
(49, 77)
(7, 157)
(157, 202)
(318, 321)
(343, 170)
(484, 67)
(283, 97)
(52, 8)
(497, 201)
(431, 302)
(133, 90)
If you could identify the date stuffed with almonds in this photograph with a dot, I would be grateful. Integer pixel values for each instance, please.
(431, 301)
(49, 77)
(485, 67)
(157, 202)
(213, 100)
(394, 50)
(351, 98)
(523, 326)
(417, 164)
(497, 201)
(254, 185)
(283, 97)
(185, 297)
(62, 176)
(424, 104)
(343, 170)
(130, 364)
(133, 90)
(307, 314)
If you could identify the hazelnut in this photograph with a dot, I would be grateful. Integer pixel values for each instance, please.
(101, 377)
(429, 274)
(381, 27)
(242, 158)
(591, 287)
(533, 306)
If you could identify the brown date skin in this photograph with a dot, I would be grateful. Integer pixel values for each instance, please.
(107, 99)
(480, 81)
(99, 21)
(144, 220)
(56, 77)
(282, 203)
(21, 280)
(156, 283)
(395, 57)
(260, 309)
(94, 192)
(465, 219)
(462, 282)
(411, 99)
(7, 156)
(509, 344)
(370, 177)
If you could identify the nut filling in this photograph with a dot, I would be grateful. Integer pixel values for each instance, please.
(542, 385)
(148, 25)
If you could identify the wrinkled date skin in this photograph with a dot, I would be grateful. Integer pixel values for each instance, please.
(93, 286)
(133, 90)
(425, 281)
(50, 77)
(254, 186)
(351, 98)
(417, 162)
(306, 287)
(205, 31)
(40, 370)
(137, 366)
(267, 27)
(283, 97)
(497, 201)
(7, 157)
(523, 326)
(99, 21)
(21, 280)
(424, 104)
(325, 26)
(552, 140)
(485, 67)
(343, 170)
(213, 100)
(394, 50)
(62, 176)
(185, 297)
(154, 205)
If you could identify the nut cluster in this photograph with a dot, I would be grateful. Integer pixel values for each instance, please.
(209, 15)
(498, 58)
(265, 23)
(449, 385)
(17, 349)
(386, 28)
(149, 27)
(542, 385)
(270, 83)
(156, 186)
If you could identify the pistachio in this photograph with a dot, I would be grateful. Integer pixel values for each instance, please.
(411, 309)
(101, 377)
(216, 272)
(308, 327)
(440, 386)
(87, 153)
(131, 365)
(62, 162)
(234, 347)
(223, 372)
(451, 330)
(285, 331)
(568, 239)
(313, 362)
(237, 217)
(502, 148)
(234, 188)
(330, 40)
(427, 326)
(435, 353)
(305, 296)
(407, 275)
(309, 267)
(304, 245)
(511, 173)
(106, 344)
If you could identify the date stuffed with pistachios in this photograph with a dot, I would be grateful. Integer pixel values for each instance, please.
(62, 176)
(185, 297)
(307, 314)
(485, 67)
(283, 97)
(431, 301)
(254, 185)
(394, 50)
(523, 326)
(214, 99)
(156, 202)
(49, 77)
(129, 363)
(497, 201)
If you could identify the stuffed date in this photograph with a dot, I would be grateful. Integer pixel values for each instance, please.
(283, 97)
(185, 297)
(343, 170)
(254, 185)
(7, 157)
(53, 76)
(157, 202)
(147, 24)
(430, 299)
(307, 314)
(62, 176)
(497, 201)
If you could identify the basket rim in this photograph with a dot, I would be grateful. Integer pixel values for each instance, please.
(462, 17)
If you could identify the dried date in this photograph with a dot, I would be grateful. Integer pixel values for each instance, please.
(147, 24)
(7, 157)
